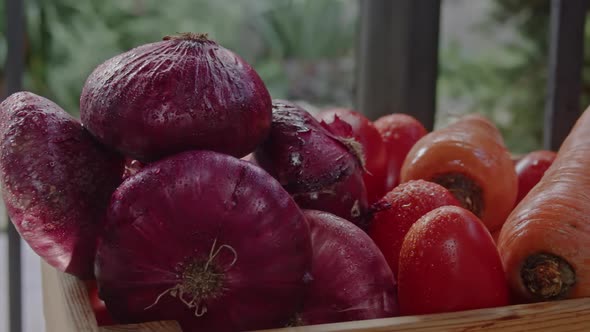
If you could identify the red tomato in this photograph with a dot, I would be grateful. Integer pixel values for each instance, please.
(530, 170)
(399, 133)
(374, 151)
(399, 209)
(103, 317)
(449, 262)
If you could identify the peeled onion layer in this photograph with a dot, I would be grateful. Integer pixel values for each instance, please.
(206, 239)
(185, 92)
(56, 181)
(320, 169)
(350, 277)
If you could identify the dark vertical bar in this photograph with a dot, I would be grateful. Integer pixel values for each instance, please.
(14, 68)
(397, 58)
(565, 69)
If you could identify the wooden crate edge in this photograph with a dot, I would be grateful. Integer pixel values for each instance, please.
(67, 306)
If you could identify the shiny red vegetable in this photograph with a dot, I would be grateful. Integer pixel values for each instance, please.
(399, 133)
(399, 209)
(449, 262)
(530, 169)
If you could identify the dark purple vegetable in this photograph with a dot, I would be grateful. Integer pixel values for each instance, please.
(56, 181)
(321, 170)
(206, 239)
(350, 277)
(185, 92)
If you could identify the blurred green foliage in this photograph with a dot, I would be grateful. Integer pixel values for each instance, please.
(67, 39)
(509, 83)
(303, 49)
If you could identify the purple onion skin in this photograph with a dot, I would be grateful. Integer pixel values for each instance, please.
(56, 181)
(351, 279)
(185, 92)
(313, 164)
(172, 212)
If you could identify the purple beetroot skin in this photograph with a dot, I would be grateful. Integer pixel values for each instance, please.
(185, 92)
(56, 181)
(206, 239)
(350, 277)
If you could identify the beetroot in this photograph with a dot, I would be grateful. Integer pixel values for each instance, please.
(185, 92)
(350, 277)
(320, 169)
(56, 181)
(206, 239)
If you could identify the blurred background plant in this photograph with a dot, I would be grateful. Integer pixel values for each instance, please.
(304, 50)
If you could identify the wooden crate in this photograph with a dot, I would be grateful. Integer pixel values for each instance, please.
(67, 309)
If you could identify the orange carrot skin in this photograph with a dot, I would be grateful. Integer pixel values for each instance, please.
(554, 217)
(472, 146)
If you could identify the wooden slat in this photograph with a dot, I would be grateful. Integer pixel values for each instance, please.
(563, 316)
(67, 309)
(565, 69)
(13, 70)
(397, 58)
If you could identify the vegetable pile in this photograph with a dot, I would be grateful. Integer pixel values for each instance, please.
(186, 193)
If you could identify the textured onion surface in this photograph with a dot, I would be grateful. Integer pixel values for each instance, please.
(183, 93)
(56, 181)
(316, 166)
(206, 239)
(351, 279)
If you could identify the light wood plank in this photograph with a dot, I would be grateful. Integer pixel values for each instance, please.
(564, 316)
(67, 309)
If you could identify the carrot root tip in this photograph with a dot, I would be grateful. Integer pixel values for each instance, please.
(547, 277)
(467, 191)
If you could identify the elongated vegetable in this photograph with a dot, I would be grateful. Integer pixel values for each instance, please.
(545, 243)
(468, 158)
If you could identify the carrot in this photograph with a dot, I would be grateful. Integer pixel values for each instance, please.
(545, 243)
(468, 158)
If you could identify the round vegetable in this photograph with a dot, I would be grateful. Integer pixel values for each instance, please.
(206, 239)
(350, 277)
(56, 181)
(320, 169)
(399, 133)
(530, 169)
(449, 262)
(374, 150)
(399, 209)
(185, 92)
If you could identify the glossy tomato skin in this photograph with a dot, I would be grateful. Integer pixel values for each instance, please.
(399, 209)
(103, 318)
(399, 133)
(374, 151)
(449, 262)
(530, 169)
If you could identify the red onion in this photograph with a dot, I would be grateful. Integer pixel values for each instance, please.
(350, 277)
(321, 170)
(185, 92)
(56, 181)
(374, 150)
(206, 239)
